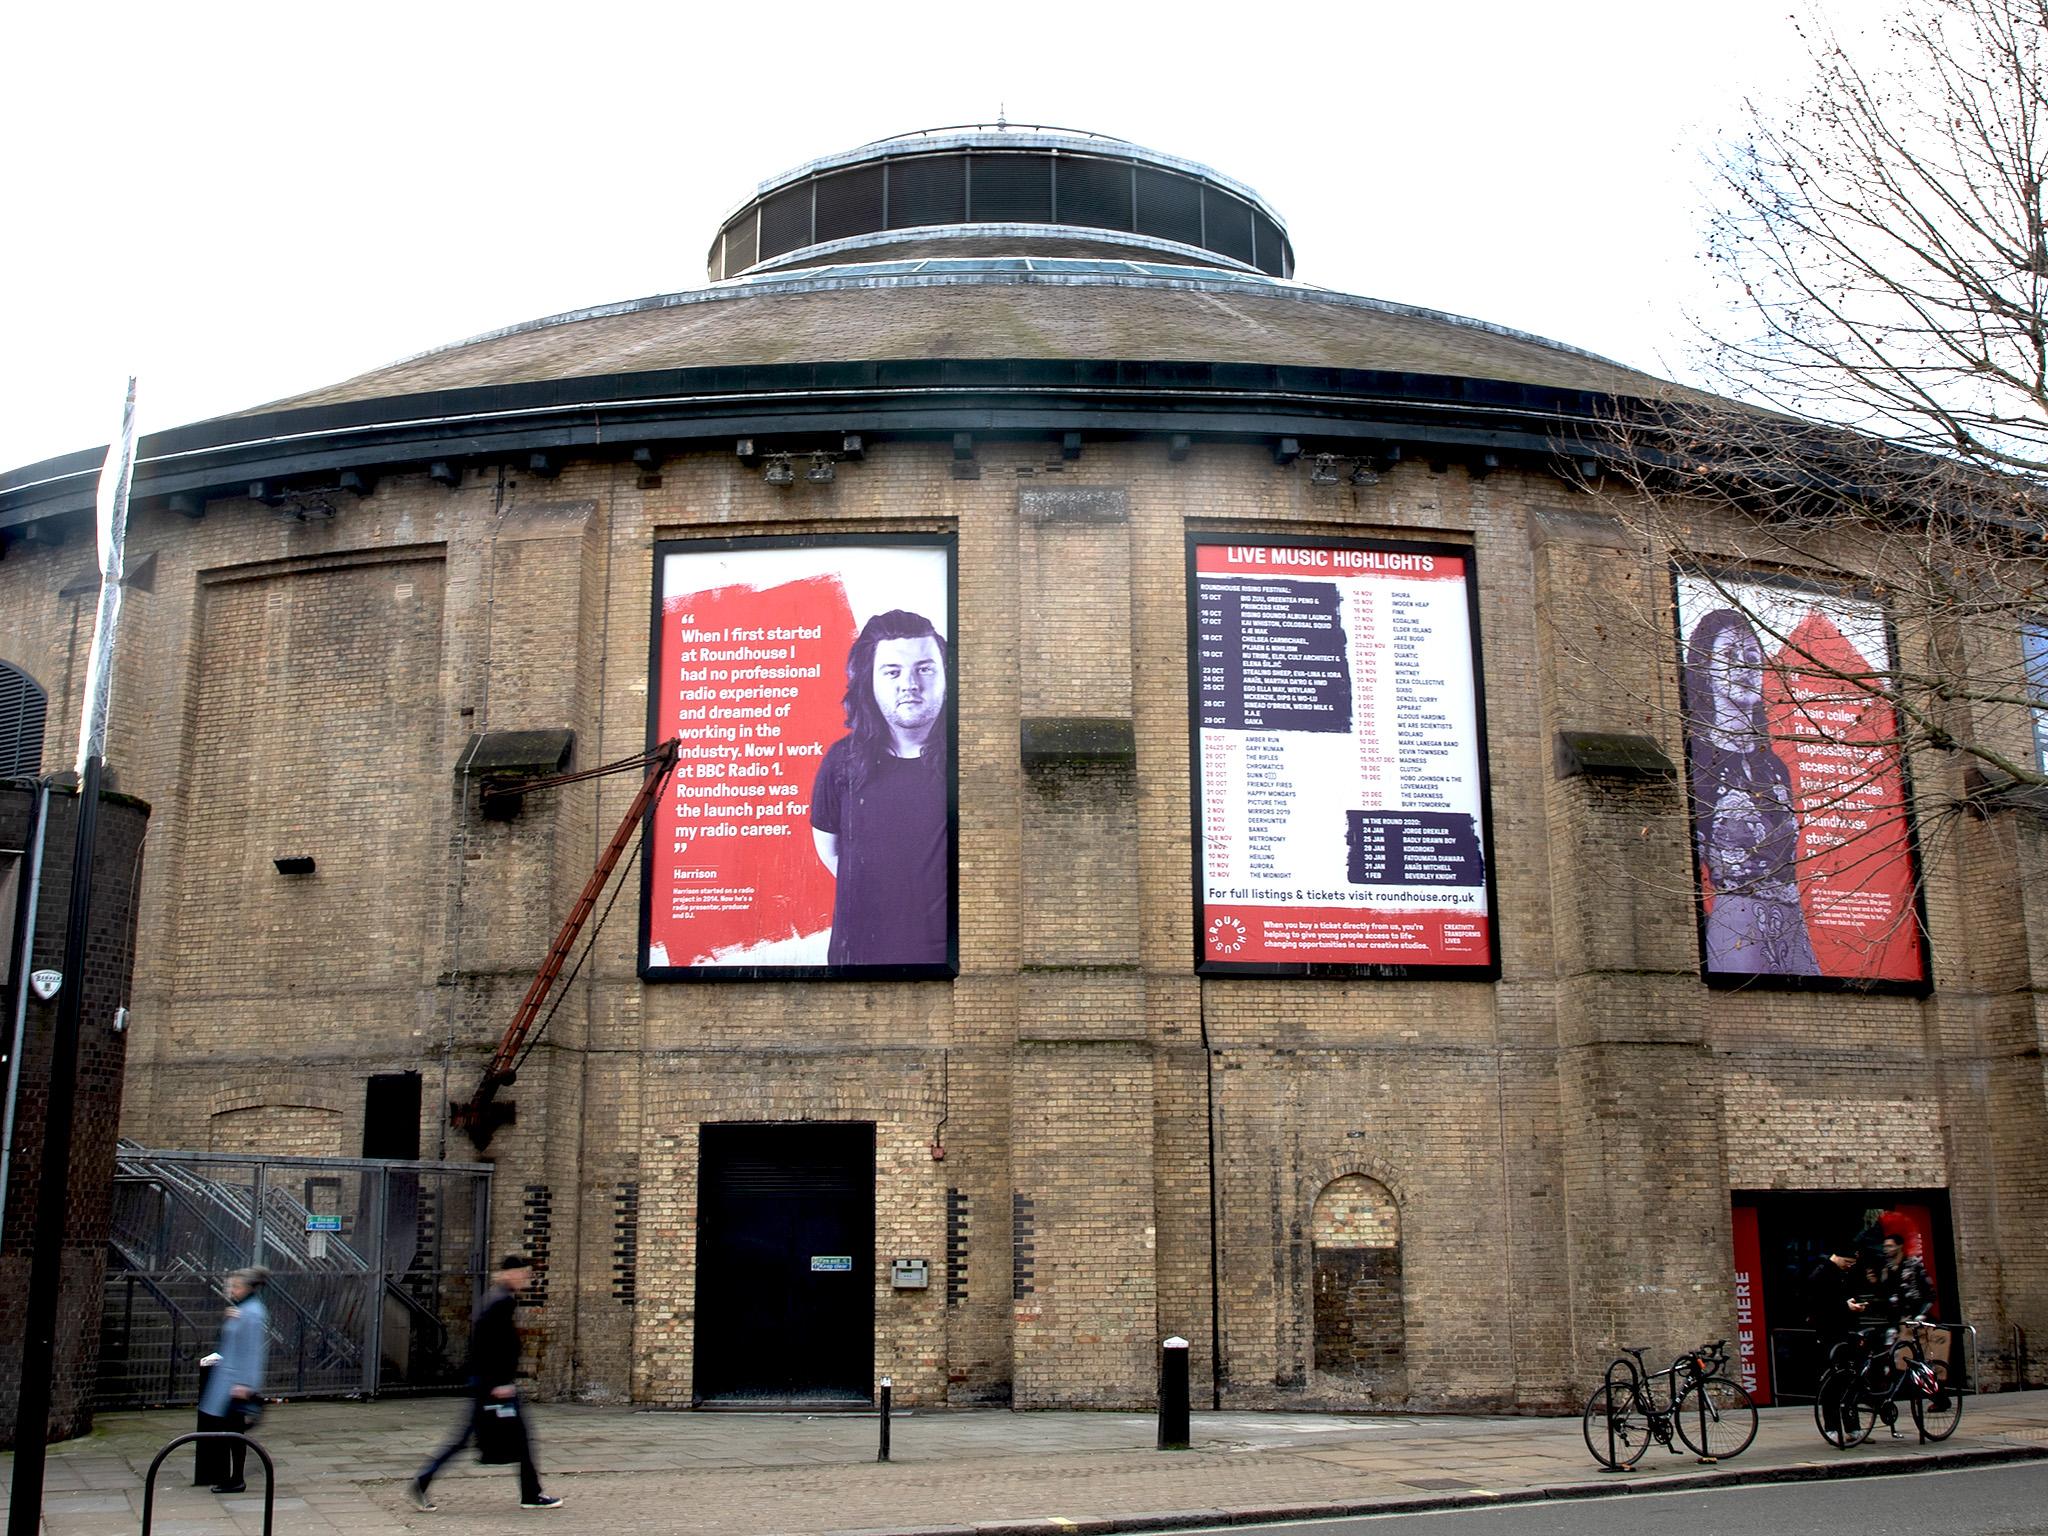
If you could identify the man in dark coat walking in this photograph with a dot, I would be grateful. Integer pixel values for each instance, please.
(494, 1386)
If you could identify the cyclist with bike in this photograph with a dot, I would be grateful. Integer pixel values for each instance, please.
(1903, 1287)
(1835, 1307)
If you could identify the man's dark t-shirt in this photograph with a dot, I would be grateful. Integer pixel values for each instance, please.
(1829, 1291)
(890, 907)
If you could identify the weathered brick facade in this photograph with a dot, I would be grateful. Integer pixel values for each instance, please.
(1479, 1187)
(307, 688)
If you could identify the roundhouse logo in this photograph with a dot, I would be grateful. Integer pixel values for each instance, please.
(1226, 936)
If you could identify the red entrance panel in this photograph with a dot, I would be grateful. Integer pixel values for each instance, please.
(1752, 1353)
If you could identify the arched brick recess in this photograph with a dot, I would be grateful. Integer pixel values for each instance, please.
(296, 1130)
(1359, 1326)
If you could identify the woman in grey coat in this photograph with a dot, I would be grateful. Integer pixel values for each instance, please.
(234, 1392)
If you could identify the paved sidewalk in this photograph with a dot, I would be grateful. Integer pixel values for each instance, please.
(343, 1466)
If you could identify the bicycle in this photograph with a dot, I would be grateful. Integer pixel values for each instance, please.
(1855, 1393)
(1702, 1408)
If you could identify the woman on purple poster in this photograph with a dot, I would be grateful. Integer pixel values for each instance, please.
(1744, 825)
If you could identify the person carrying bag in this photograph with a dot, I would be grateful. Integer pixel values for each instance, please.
(494, 1416)
(233, 1397)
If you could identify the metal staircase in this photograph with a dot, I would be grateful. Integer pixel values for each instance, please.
(352, 1311)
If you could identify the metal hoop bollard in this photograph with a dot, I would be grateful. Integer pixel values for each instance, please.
(1613, 1454)
(269, 1472)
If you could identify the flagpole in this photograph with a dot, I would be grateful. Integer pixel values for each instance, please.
(46, 1257)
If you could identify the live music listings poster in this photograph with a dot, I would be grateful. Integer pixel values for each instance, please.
(1341, 822)
(1801, 837)
(810, 828)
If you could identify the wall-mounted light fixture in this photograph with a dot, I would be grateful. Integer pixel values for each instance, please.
(1324, 470)
(780, 470)
(821, 471)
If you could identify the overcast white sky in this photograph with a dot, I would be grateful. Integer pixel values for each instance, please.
(240, 202)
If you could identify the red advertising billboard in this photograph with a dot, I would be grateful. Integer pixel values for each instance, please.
(810, 828)
(1804, 849)
(1339, 774)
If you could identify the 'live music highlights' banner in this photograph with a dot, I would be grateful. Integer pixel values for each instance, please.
(1340, 788)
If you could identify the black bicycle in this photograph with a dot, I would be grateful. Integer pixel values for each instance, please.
(1864, 1386)
(1689, 1402)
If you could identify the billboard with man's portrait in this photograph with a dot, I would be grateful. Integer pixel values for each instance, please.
(1803, 847)
(810, 828)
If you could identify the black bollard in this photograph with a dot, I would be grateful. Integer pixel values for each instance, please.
(1173, 1395)
(883, 1453)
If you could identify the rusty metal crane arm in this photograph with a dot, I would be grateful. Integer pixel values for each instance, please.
(478, 1115)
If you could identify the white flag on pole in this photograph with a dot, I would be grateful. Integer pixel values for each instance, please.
(115, 478)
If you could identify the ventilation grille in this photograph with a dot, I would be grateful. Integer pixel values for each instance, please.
(1011, 189)
(1023, 1246)
(958, 1219)
(930, 189)
(786, 221)
(740, 249)
(850, 203)
(23, 707)
(1230, 226)
(1095, 193)
(1169, 207)
(1003, 186)
(753, 1161)
(1270, 246)
(626, 1243)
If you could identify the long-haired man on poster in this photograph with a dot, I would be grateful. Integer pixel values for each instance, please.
(879, 808)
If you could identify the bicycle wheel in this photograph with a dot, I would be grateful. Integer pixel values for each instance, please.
(1936, 1410)
(1716, 1418)
(1631, 1429)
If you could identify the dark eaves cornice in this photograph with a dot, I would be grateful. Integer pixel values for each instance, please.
(1323, 409)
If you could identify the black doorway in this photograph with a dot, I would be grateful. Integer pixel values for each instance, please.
(1794, 1230)
(785, 1265)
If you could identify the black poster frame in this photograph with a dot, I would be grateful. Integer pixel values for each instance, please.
(948, 543)
(1376, 970)
(1745, 981)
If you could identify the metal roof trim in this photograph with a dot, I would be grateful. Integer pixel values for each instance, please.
(1202, 254)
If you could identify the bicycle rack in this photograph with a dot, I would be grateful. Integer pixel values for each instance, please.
(269, 1472)
(1614, 1461)
(1700, 1391)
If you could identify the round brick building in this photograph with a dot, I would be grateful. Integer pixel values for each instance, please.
(1240, 914)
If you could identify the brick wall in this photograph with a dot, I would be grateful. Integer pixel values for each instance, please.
(1128, 1151)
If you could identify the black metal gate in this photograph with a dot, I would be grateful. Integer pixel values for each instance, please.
(785, 1265)
(374, 1266)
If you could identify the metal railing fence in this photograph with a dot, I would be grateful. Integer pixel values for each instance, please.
(374, 1267)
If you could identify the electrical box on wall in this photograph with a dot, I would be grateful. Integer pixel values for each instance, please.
(909, 1274)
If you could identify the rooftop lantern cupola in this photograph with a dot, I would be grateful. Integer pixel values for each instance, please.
(1001, 189)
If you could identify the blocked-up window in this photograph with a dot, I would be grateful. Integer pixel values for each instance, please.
(1359, 1326)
